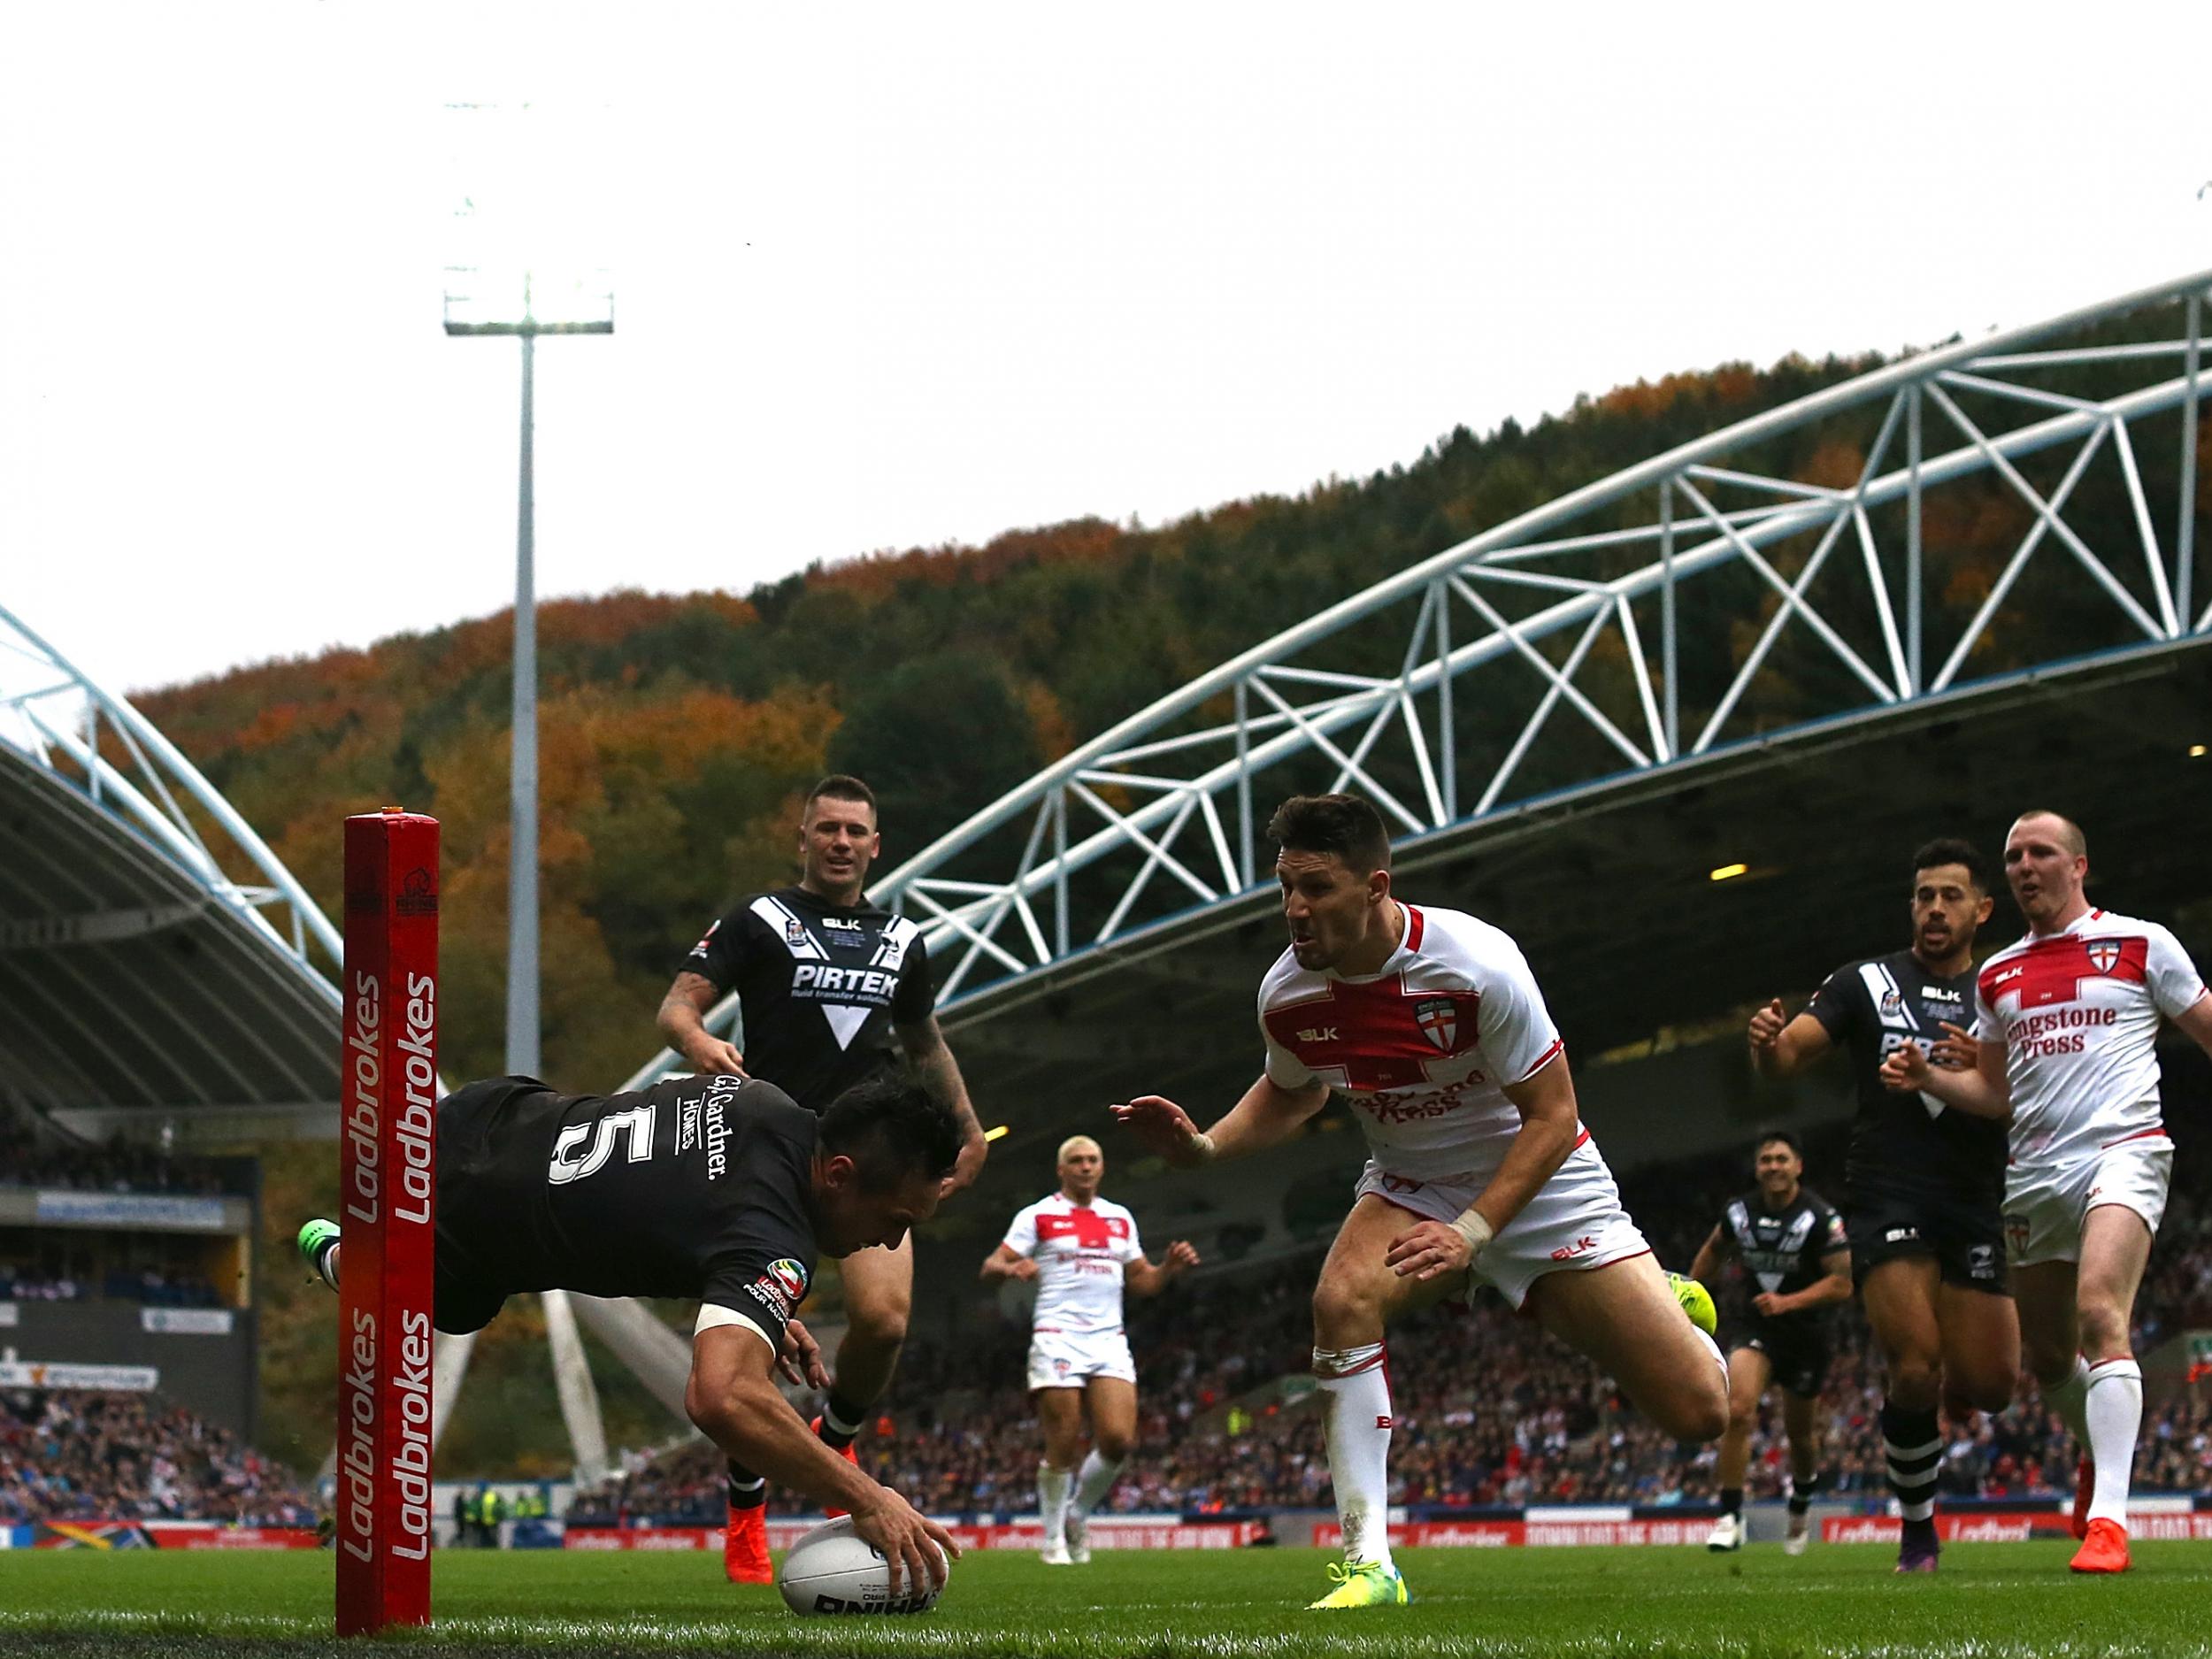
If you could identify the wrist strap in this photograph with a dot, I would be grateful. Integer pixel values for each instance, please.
(1471, 1226)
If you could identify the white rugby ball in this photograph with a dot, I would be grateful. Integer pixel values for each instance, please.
(830, 1571)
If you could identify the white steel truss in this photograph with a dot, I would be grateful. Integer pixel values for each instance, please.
(1371, 692)
(62, 721)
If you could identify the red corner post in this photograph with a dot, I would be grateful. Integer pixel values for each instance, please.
(387, 1101)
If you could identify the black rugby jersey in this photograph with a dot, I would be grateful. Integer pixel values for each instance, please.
(1908, 1145)
(822, 987)
(697, 1186)
(1781, 1249)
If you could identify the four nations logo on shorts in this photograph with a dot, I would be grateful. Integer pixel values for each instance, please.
(1438, 1016)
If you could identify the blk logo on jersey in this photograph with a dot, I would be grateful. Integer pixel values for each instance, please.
(1375, 1035)
(2052, 970)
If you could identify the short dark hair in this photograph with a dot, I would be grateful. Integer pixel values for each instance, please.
(838, 785)
(1949, 849)
(1340, 823)
(1787, 1137)
(891, 1127)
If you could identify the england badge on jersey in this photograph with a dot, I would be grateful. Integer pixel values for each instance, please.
(2104, 955)
(1439, 1020)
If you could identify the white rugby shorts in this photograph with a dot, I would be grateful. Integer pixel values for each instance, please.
(1069, 1359)
(1575, 1221)
(2045, 1205)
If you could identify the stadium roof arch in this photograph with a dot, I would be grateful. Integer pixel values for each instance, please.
(1576, 720)
(158, 964)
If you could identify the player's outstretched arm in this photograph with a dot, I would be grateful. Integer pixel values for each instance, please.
(1150, 1279)
(1007, 1262)
(1708, 1257)
(1780, 1045)
(733, 1398)
(682, 1020)
(1972, 1077)
(1267, 1115)
(1550, 1123)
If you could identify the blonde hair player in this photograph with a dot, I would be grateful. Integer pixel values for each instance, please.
(1082, 1251)
(2063, 1050)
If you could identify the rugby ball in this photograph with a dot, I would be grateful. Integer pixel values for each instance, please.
(830, 1571)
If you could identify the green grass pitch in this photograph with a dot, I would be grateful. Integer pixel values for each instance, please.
(1991, 1601)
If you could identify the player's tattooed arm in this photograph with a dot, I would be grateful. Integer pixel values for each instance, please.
(1007, 1262)
(1979, 1089)
(682, 1021)
(1150, 1279)
(1780, 1045)
(927, 1052)
(1268, 1114)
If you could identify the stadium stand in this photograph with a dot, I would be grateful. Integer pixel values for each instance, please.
(90, 1454)
(1489, 1410)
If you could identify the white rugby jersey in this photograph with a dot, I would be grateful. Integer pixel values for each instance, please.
(1080, 1250)
(1423, 1048)
(2078, 1013)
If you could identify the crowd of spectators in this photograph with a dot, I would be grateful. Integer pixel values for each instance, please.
(115, 1165)
(82, 1455)
(1487, 1410)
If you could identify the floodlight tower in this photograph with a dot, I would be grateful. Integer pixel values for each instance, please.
(525, 208)
(467, 314)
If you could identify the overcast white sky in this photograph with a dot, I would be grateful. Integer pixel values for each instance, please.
(921, 273)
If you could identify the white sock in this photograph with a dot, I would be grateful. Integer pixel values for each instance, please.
(1358, 1405)
(1052, 1501)
(1094, 1481)
(2069, 1400)
(2114, 1411)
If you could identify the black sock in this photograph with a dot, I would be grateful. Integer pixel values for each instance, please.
(1914, 1443)
(1803, 1493)
(1731, 1499)
(748, 1490)
(835, 1410)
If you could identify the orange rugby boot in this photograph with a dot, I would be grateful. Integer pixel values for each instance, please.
(2104, 1550)
(745, 1546)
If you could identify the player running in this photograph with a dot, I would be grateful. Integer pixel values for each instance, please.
(1925, 1182)
(2063, 1049)
(1787, 1238)
(826, 981)
(1081, 1250)
(716, 1188)
(1432, 1027)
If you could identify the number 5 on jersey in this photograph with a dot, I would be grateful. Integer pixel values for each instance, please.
(634, 1126)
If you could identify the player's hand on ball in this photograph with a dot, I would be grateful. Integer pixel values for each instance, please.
(1956, 1050)
(904, 1536)
(1766, 1025)
(1429, 1249)
(1906, 1068)
(800, 1357)
(1161, 1124)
